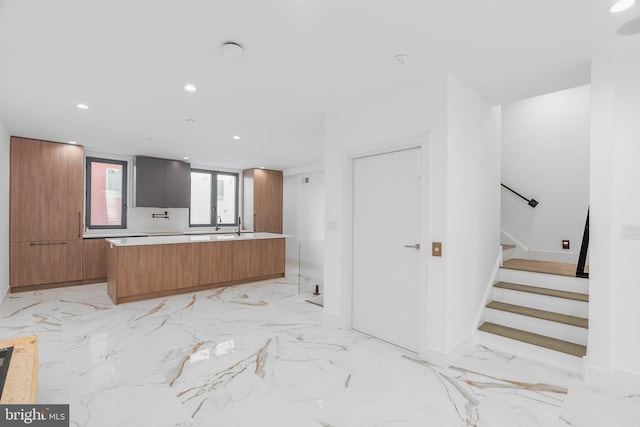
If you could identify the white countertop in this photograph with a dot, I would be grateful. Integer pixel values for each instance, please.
(198, 238)
(118, 234)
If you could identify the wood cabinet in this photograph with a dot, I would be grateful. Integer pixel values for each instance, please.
(162, 183)
(94, 260)
(256, 258)
(149, 271)
(267, 257)
(217, 262)
(262, 190)
(134, 270)
(39, 263)
(47, 182)
(46, 204)
(180, 265)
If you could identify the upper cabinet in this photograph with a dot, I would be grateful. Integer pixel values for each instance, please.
(47, 181)
(262, 190)
(162, 183)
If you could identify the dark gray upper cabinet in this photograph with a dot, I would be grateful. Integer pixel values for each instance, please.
(162, 183)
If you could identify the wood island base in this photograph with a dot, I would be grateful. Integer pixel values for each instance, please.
(143, 271)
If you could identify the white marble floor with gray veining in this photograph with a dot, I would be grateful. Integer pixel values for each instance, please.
(258, 355)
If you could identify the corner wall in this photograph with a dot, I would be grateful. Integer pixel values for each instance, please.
(461, 134)
(4, 210)
(473, 206)
(613, 354)
(545, 156)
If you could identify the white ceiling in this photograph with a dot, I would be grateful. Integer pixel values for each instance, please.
(129, 61)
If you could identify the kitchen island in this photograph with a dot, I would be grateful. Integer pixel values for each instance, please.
(154, 266)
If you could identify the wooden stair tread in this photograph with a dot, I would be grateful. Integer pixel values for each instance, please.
(535, 339)
(543, 291)
(549, 267)
(540, 314)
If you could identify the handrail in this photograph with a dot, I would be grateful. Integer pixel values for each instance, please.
(533, 202)
(582, 259)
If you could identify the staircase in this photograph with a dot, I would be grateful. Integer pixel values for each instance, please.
(538, 315)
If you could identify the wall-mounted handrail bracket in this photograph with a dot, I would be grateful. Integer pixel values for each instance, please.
(531, 202)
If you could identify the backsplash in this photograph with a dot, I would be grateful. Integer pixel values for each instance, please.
(141, 219)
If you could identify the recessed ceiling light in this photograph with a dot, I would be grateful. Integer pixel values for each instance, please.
(190, 88)
(233, 51)
(186, 158)
(72, 142)
(236, 137)
(83, 106)
(621, 6)
(261, 167)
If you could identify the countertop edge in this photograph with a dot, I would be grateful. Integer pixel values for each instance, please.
(199, 238)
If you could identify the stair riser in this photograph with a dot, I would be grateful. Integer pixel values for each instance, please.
(548, 328)
(532, 352)
(508, 254)
(541, 302)
(563, 283)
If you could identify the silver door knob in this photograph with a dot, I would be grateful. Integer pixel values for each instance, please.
(416, 246)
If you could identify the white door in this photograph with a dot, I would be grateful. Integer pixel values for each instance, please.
(386, 265)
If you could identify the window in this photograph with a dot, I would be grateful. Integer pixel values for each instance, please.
(213, 204)
(106, 193)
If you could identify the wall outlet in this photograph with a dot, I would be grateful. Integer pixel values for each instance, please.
(565, 244)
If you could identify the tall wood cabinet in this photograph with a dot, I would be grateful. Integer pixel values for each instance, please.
(262, 192)
(45, 212)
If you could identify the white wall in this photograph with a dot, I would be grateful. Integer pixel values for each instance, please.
(545, 156)
(473, 205)
(613, 355)
(426, 111)
(4, 210)
(303, 212)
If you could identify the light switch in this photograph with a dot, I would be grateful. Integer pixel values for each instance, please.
(631, 231)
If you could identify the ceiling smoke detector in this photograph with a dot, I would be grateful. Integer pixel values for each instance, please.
(401, 58)
(233, 51)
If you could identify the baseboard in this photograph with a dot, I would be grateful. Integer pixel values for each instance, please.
(487, 292)
(446, 358)
(331, 320)
(598, 377)
(626, 380)
(4, 295)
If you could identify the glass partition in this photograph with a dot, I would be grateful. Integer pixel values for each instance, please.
(311, 273)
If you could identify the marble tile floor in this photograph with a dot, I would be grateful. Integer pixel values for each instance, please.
(259, 355)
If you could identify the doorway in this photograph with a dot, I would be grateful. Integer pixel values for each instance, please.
(386, 246)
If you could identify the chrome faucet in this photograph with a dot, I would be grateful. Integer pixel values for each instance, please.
(218, 223)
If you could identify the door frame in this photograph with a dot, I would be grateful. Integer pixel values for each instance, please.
(422, 142)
